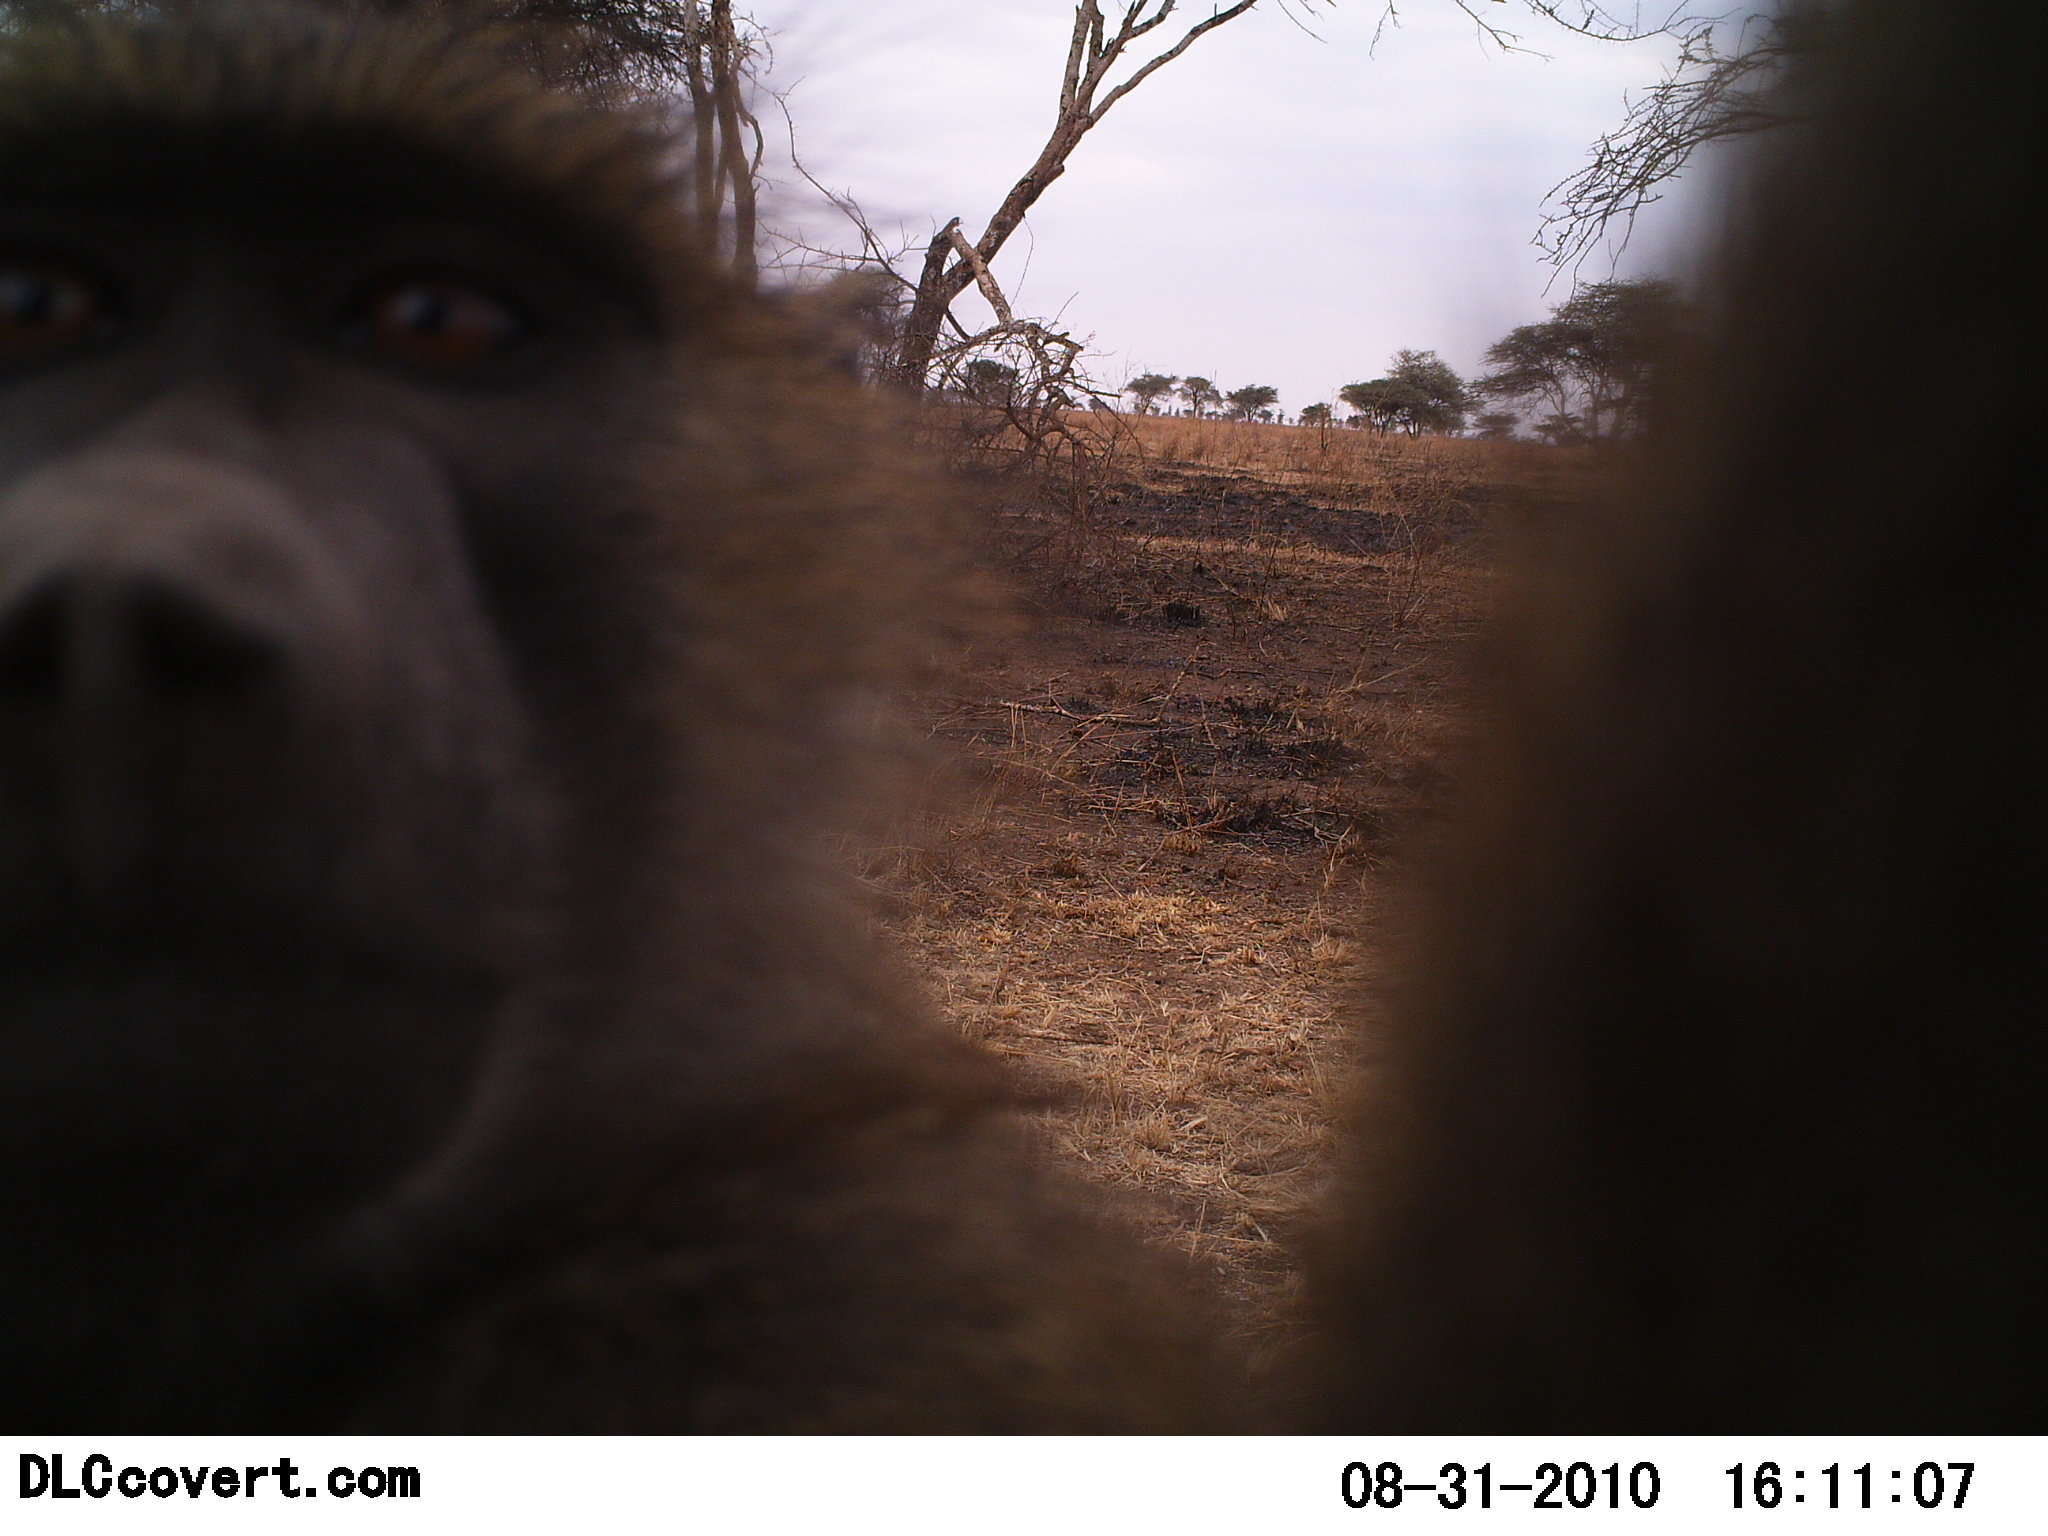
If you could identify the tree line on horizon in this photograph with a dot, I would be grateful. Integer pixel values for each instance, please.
(1591, 369)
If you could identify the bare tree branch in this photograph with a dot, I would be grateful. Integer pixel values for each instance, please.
(982, 277)
(1708, 95)
(1167, 57)
(1093, 55)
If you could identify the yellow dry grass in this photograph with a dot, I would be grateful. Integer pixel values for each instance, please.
(1170, 885)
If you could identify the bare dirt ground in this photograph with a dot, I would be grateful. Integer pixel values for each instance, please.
(1192, 769)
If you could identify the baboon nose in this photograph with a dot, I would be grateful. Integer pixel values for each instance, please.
(91, 639)
(157, 668)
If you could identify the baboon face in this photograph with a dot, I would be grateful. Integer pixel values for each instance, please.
(430, 599)
(264, 500)
(287, 606)
(400, 614)
(429, 602)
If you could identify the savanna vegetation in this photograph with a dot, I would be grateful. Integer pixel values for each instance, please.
(1182, 784)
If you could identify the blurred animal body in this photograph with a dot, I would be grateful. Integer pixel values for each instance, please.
(426, 591)
(1713, 1099)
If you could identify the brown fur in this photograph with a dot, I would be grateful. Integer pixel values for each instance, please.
(425, 1004)
(1715, 1100)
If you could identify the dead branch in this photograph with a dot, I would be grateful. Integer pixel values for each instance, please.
(1094, 53)
(1707, 95)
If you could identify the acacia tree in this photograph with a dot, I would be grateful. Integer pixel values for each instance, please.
(1382, 404)
(1198, 392)
(1442, 397)
(1533, 364)
(1087, 92)
(1420, 393)
(1596, 362)
(1718, 88)
(1250, 401)
(1317, 415)
(1560, 429)
(1146, 389)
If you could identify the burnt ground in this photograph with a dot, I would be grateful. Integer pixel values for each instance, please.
(1190, 770)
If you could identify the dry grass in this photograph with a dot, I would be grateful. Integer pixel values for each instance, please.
(1190, 774)
(1342, 460)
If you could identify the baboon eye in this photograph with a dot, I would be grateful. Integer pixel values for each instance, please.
(46, 306)
(443, 324)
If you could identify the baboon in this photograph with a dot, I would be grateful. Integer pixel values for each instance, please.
(429, 601)
(1713, 1099)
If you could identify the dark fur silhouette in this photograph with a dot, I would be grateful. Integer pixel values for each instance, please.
(430, 600)
(1714, 1099)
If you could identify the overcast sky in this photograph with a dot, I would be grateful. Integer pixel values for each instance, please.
(1267, 209)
